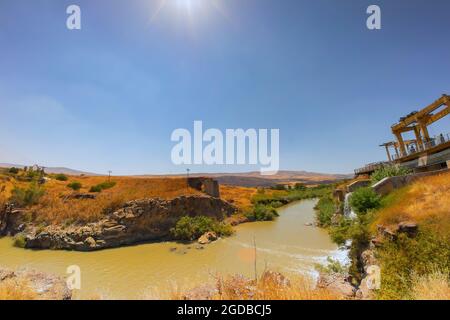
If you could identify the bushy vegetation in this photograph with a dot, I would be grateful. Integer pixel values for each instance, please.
(13, 170)
(19, 240)
(191, 228)
(262, 212)
(389, 171)
(61, 177)
(75, 185)
(364, 199)
(24, 197)
(406, 258)
(325, 209)
(265, 203)
(102, 186)
(292, 195)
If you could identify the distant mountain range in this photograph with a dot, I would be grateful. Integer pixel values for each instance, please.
(255, 179)
(67, 171)
(246, 179)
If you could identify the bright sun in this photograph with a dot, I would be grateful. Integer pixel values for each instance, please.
(187, 7)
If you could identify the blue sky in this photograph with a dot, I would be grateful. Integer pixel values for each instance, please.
(108, 97)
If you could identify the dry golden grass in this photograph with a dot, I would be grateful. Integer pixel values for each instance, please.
(270, 286)
(15, 289)
(239, 196)
(55, 207)
(426, 201)
(433, 286)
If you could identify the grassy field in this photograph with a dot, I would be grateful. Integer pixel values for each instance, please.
(417, 268)
(426, 202)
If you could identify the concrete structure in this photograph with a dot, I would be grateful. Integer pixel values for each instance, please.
(358, 184)
(424, 153)
(206, 185)
(390, 184)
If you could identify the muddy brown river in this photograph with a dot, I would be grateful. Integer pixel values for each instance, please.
(156, 269)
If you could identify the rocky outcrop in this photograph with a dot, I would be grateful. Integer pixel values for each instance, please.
(25, 284)
(368, 285)
(391, 233)
(137, 221)
(12, 220)
(336, 283)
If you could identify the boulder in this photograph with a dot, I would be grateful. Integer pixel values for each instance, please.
(208, 237)
(90, 242)
(336, 283)
(409, 227)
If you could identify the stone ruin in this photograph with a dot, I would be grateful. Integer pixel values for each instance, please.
(206, 185)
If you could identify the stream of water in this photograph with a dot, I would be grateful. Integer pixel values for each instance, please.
(148, 270)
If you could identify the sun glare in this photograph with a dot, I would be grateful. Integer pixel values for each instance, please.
(190, 8)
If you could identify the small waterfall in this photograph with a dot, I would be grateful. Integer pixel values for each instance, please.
(348, 211)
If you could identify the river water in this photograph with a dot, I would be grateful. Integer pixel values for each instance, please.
(156, 269)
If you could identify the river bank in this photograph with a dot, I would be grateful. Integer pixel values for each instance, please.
(155, 270)
(136, 221)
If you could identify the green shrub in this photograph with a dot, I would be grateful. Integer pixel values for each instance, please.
(276, 204)
(27, 197)
(262, 212)
(389, 171)
(13, 170)
(107, 185)
(61, 177)
(364, 199)
(96, 188)
(102, 186)
(325, 209)
(20, 241)
(75, 185)
(191, 228)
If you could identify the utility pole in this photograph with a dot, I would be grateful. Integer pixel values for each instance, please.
(187, 179)
(109, 175)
